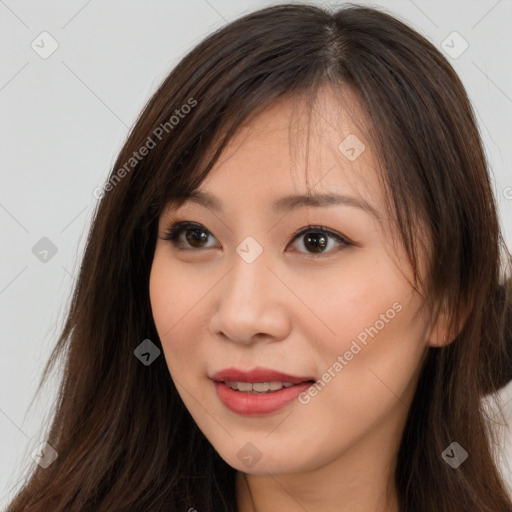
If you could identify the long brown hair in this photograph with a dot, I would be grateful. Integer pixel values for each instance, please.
(125, 440)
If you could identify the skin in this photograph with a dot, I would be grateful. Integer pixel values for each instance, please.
(295, 311)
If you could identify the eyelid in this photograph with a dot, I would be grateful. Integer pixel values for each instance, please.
(173, 232)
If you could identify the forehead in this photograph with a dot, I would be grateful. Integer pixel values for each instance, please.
(298, 148)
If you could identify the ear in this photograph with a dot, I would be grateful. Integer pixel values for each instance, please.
(441, 333)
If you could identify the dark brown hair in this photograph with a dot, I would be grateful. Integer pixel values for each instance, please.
(124, 438)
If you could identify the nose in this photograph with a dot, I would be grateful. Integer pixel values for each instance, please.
(250, 303)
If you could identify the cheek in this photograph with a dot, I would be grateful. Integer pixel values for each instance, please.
(374, 344)
(175, 291)
(359, 300)
(175, 304)
(163, 298)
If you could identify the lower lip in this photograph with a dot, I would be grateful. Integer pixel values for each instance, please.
(250, 404)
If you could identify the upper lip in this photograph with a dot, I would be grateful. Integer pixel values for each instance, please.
(257, 374)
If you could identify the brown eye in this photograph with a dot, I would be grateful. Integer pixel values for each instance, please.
(196, 236)
(316, 242)
(316, 238)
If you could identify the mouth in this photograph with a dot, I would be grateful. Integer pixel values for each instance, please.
(258, 391)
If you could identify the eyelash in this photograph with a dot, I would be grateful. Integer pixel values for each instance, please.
(173, 233)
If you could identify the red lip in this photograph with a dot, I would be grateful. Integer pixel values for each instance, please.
(249, 404)
(257, 374)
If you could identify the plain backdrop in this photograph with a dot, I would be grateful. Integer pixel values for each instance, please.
(65, 115)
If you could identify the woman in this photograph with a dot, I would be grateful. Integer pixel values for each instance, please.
(279, 312)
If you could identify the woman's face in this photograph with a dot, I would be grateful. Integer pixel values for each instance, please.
(241, 296)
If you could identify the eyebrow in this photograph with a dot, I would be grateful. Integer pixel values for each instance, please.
(288, 202)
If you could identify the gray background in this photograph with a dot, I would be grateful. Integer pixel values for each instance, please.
(64, 118)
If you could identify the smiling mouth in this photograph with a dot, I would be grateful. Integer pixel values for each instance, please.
(258, 391)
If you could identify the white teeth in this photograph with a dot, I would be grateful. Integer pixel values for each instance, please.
(261, 386)
(244, 386)
(258, 387)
